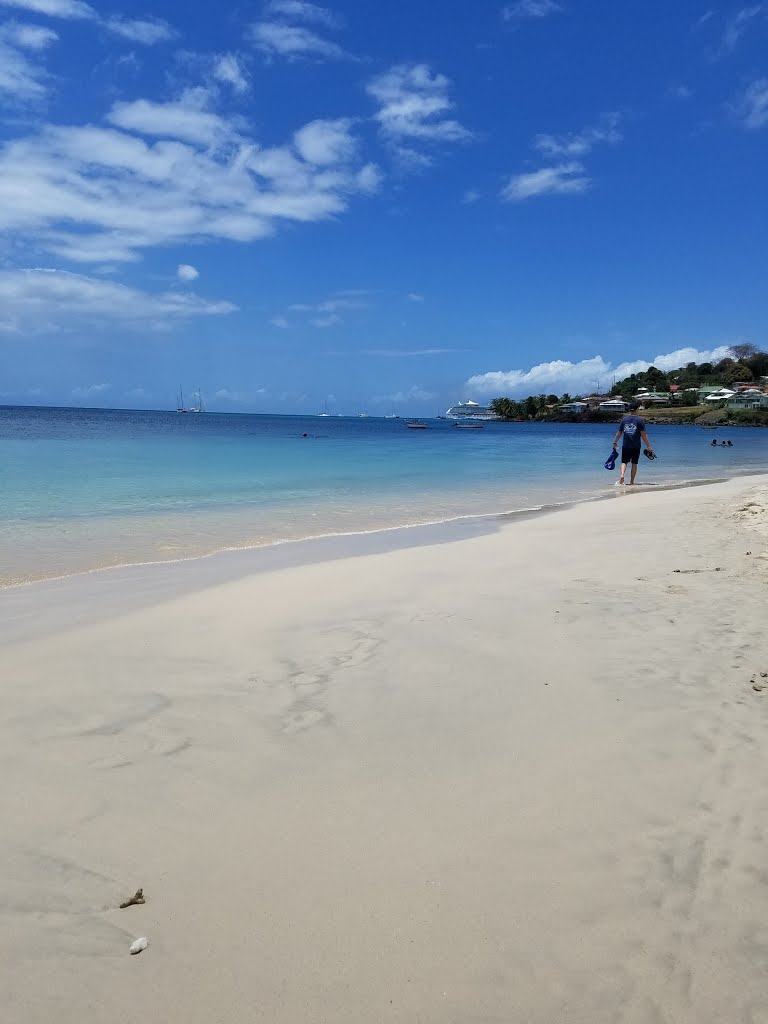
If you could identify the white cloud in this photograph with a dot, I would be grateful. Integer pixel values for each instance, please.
(228, 69)
(299, 10)
(20, 78)
(278, 35)
(415, 297)
(226, 395)
(402, 353)
(100, 195)
(90, 390)
(565, 179)
(186, 118)
(415, 393)
(737, 25)
(472, 195)
(279, 321)
(276, 39)
(28, 37)
(54, 8)
(325, 142)
(523, 9)
(41, 299)
(560, 375)
(413, 108)
(568, 176)
(752, 108)
(140, 30)
(186, 272)
(326, 321)
(578, 144)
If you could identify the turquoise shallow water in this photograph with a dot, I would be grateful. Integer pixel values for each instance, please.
(82, 489)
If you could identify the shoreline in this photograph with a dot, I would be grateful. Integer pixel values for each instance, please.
(442, 782)
(465, 518)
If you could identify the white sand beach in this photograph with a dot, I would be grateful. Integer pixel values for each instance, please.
(515, 778)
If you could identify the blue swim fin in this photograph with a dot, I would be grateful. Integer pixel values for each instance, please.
(610, 462)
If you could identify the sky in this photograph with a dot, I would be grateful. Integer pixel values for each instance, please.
(373, 207)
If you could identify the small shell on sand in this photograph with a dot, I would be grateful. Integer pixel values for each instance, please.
(138, 946)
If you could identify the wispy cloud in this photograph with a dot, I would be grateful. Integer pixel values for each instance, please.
(186, 272)
(148, 31)
(40, 299)
(569, 175)
(737, 25)
(327, 313)
(579, 144)
(283, 31)
(563, 179)
(472, 195)
(228, 395)
(404, 353)
(298, 10)
(90, 390)
(138, 30)
(524, 9)
(21, 78)
(561, 375)
(102, 194)
(414, 109)
(415, 297)
(53, 8)
(415, 393)
(752, 107)
(228, 69)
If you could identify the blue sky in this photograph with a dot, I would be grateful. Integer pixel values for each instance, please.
(375, 205)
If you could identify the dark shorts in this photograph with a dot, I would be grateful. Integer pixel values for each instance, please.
(629, 453)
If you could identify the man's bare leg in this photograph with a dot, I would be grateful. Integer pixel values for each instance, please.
(623, 472)
(633, 473)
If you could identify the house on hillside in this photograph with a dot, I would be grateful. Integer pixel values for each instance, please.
(707, 390)
(614, 405)
(574, 407)
(720, 395)
(646, 397)
(751, 399)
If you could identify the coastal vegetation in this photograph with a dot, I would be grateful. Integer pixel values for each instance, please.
(746, 365)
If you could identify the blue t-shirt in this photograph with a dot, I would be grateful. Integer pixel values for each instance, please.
(631, 428)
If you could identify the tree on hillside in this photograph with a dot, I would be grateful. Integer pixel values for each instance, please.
(736, 373)
(566, 398)
(530, 406)
(758, 364)
(506, 409)
(551, 399)
(744, 352)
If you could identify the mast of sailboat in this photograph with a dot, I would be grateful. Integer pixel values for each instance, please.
(180, 406)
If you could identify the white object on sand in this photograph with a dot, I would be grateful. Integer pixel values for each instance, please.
(138, 945)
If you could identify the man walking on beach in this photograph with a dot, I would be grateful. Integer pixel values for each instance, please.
(631, 430)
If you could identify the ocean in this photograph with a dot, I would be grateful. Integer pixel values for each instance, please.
(82, 489)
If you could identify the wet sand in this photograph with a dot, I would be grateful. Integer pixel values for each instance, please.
(516, 777)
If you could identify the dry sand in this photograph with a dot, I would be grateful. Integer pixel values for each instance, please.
(516, 778)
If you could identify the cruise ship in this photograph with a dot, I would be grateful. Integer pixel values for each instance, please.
(470, 411)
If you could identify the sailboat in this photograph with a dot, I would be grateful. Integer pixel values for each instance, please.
(180, 407)
(199, 406)
(325, 410)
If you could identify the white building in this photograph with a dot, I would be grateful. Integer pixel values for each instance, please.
(614, 405)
